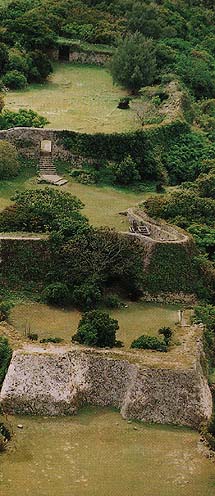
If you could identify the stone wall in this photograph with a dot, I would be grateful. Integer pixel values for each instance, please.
(89, 58)
(58, 381)
(28, 140)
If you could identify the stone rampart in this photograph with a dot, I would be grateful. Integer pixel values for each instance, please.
(28, 141)
(58, 381)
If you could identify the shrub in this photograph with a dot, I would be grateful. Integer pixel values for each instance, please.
(9, 165)
(42, 211)
(112, 301)
(5, 357)
(56, 294)
(87, 296)
(4, 310)
(14, 80)
(126, 172)
(97, 329)
(124, 103)
(33, 336)
(51, 340)
(84, 176)
(149, 343)
(206, 185)
(22, 118)
(167, 334)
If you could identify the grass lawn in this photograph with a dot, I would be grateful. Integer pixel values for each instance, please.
(102, 203)
(77, 97)
(139, 318)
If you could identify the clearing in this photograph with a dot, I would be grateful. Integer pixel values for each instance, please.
(79, 98)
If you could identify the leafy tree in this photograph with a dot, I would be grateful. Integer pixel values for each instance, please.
(182, 204)
(14, 80)
(97, 329)
(87, 295)
(17, 61)
(22, 118)
(126, 172)
(39, 66)
(134, 62)
(9, 164)
(206, 185)
(101, 255)
(41, 211)
(204, 237)
(57, 294)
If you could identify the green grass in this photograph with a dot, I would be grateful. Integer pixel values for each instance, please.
(135, 320)
(81, 98)
(25, 180)
(102, 203)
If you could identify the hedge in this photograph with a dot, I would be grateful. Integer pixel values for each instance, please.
(141, 145)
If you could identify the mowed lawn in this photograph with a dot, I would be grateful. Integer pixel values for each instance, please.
(135, 320)
(77, 97)
(102, 203)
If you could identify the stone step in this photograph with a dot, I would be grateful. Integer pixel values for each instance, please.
(52, 179)
(61, 182)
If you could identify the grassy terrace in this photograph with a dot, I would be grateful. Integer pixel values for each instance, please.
(81, 98)
(137, 319)
(102, 203)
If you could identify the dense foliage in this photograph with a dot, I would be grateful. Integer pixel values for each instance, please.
(21, 118)
(78, 262)
(149, 343)
(97, 329)
(42, 210)
(5, 357)
(134, 62)
(9, 164)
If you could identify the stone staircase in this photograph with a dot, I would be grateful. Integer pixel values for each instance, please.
(46, 165)
(48, 173)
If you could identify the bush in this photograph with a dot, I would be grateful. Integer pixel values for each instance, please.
(5, 357)
(51, 340)
(167, 334)
(126, 172)
(84, 176)
(124, 103)
(9, 165)
(56, 294)
(86, 296)
(33, 336)
(206, 185)
(112, 301)
(22, 118)
(4, 310)
(149, 343)
(42, 211)
(14, 80)
(97, 329)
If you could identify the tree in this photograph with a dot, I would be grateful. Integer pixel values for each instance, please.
(134, 62)
(9, 165)
(126, 172)
(206, 185)
(39, 66)
(97, 329)
(41, 211)
(3, 58)
(14, 80)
